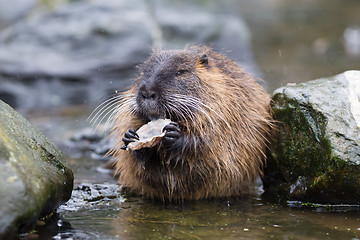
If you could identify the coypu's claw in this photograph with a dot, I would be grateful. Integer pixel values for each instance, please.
(173, 126)
(131, 134)
(128, 138)
(172, 133)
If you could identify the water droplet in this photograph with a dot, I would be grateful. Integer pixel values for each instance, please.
(59, 223)
(352, 41)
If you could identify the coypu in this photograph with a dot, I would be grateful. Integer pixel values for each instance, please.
(214, 145)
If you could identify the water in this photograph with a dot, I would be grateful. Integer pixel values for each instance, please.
(243, 219)
(293, 42)
(249, 218)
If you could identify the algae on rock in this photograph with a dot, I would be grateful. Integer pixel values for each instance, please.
(34, 178)
(315, 156)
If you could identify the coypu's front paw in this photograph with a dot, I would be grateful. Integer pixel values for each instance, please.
(129, 137)
(172, 133)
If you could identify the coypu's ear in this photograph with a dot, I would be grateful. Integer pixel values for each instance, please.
(204, 60)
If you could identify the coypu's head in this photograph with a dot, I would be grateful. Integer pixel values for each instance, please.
(168, 85)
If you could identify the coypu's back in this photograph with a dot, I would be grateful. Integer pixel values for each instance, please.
(222, 123)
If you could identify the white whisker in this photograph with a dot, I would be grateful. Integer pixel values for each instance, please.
(105, 111)
(109, 108)
(100, 109)
(100, 105)
(198, 104)
(125, 107)
(190, 102)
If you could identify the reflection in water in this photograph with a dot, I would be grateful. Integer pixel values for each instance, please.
(242, 219)
(248, 218)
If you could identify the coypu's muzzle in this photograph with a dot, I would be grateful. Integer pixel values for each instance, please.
(148, 101)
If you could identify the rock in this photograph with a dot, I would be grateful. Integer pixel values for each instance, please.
(64, 53)
(87, 49)
(34, 178)
(88, 142)
(316, 155)
(14, 10)
(88, 195)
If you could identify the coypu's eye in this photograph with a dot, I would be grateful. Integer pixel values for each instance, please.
(204, 59)
(181, 72)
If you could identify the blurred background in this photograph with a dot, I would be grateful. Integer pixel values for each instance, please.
(61, 54)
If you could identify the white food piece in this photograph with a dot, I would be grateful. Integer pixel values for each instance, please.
(150, 134)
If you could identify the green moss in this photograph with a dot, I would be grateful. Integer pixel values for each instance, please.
(301, 165)
(4, 153)
(341, 185)
(302, 148)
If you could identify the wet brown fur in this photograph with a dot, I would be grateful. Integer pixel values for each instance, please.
(228, 141)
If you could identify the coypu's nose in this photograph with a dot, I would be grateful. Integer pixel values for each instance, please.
(147, 92)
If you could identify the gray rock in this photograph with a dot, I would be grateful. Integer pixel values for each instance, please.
(11, 11)
(316, 156)
(87, 49)
(34, 178)
(87, 141)
(88, 195)
(73, 54)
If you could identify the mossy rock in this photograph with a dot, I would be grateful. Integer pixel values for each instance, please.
(34, 178)
(315, 156)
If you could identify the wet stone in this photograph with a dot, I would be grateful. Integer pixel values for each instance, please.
(34, 177)
(316, 154)
(87, 195)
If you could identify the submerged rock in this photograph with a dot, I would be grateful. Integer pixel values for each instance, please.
(34, 178)
(316, 155)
